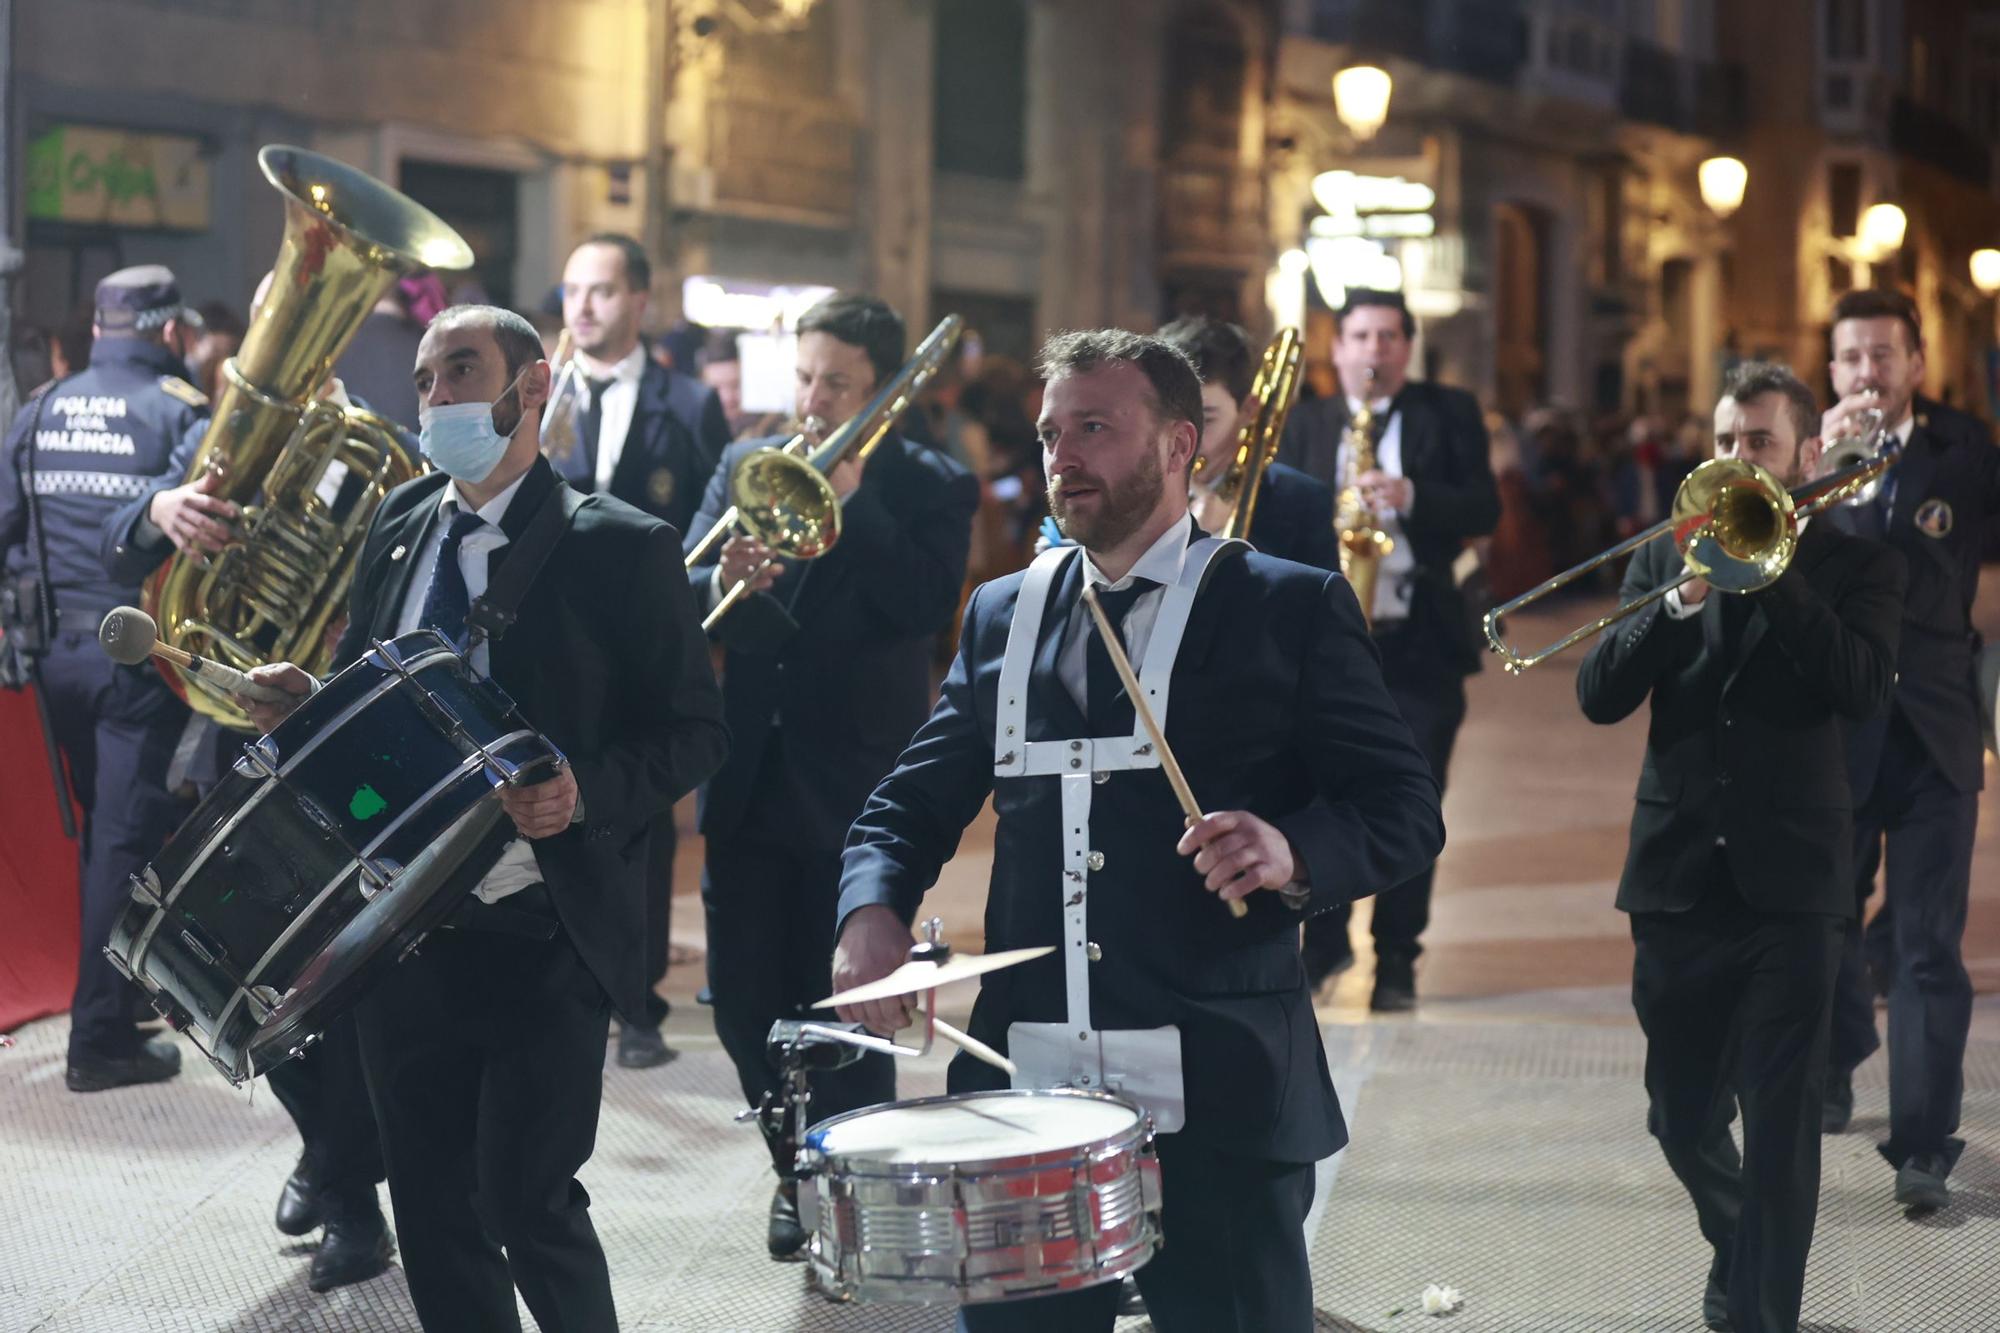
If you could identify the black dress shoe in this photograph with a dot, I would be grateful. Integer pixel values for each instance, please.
(299, 1204)
(355, 1248)
(1920, 1183)
(1318, 969)
(1836, 1110)
(1395, 986)
(642, 1048)
(1715, 1300)
(786, 1236)
(1130, 1303)
(155, 1061)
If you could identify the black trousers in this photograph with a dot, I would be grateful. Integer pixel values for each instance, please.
(1928, 827)
(1431, 697)
(661, 843)
(770, 899)
(117, 727)
(1736, 1007)
(327, 1097)
(1234, 1258)
(485, 1060)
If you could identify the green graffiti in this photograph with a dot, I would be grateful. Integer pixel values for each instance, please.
(367, 803)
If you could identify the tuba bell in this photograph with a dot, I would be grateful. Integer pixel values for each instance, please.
(307, 474)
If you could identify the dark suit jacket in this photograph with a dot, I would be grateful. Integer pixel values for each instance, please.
(1950, 477)
(699, 409)
(1294, 519)
(607, 660)
(1444, 448)
(1277, 707)
(665, 463)
(1745, 740)
(853, 680)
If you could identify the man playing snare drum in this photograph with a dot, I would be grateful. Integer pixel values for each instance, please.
(1261, 674)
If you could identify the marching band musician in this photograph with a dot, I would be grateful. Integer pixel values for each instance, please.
(1294, 518)
(826, 673)
(1917, 768)
(1433, 489)
(484, 1050)
(1737, 880)
(1319, 794)
(651, 437)
(78, 451)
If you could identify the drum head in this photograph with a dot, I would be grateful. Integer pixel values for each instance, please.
(982, 1126)
(376, 938)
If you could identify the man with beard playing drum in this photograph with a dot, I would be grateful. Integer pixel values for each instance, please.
(1263, 678)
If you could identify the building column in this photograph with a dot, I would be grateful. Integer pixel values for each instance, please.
(899, 174)
(1705, 331)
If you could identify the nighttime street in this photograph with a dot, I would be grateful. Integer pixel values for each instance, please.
(999, 666)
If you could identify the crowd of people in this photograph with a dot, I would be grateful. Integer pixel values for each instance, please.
(836, 776)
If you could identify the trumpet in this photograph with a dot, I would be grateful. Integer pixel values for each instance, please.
(810, 431)
(1734, 524)
(784, 500)
(1242, 480)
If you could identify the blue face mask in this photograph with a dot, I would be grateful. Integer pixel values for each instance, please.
(460, 438)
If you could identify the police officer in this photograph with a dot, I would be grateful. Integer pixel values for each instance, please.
(78, 451)
(1916, 771)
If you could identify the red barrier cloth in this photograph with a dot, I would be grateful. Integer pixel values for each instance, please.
(38, 906)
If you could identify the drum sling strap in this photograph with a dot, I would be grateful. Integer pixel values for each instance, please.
(493, 611)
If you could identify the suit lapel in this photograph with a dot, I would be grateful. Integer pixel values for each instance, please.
(1416, 439)
(1916, 471)
(1812, 549)
(521, 510)
(412, 537)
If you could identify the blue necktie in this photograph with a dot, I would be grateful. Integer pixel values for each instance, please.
(1108, 710)
(448, 601)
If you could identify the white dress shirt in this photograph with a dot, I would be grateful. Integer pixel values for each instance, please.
(1162, 564)
(516, 869)
(621, 400)
(1396, 579)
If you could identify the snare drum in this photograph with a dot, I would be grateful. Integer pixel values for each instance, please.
(325, 853)
(986, 1196)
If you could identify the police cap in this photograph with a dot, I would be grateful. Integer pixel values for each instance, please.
(139, 300)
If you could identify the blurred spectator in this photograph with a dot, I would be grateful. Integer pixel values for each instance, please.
(989, 428)
(376, 365)
(679, 348)
(69, 344)
(221, 335)
(721, 369)
(1517, 555)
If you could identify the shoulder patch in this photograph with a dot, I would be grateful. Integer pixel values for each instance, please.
(176, 387)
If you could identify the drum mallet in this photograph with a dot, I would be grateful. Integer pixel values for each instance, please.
(130, 636)
(1168, 764)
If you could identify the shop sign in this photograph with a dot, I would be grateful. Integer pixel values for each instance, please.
(119, 178)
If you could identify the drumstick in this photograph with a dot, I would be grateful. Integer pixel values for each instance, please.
(1168, 764)
(129, 635)
(974, 1047)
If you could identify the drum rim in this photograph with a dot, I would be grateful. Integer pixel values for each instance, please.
(1138, 1132)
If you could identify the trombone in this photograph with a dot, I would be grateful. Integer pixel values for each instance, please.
(1734, 524)
(812, 428)
(783, 498)
(1242, 481)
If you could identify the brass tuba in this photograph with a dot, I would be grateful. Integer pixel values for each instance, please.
(1363, 543)
(1242, 481)
(308, 475)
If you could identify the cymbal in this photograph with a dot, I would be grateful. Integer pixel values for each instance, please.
(911, 978)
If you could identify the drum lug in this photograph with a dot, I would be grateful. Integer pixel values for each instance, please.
(146, 888)
(176, 1017)
(124, 968)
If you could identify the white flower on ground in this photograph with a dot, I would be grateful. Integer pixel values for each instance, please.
(1442, 1300)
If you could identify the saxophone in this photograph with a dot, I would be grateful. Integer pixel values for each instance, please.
(1363, 543)
(307, 474)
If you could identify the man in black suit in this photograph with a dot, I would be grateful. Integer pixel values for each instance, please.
(1737, 879)
(1274, 704)
(1917, 769)
(1433, 489)
(651, 437)
(827, 672)
(484, 1051)
(1294, 518)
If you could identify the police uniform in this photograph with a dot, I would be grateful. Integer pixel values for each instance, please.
(1916, 772)
(77, 452)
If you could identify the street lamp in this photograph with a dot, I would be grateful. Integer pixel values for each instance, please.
(1881, 231)
(1722, 183)
(1986, 271)
(1361, 99)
